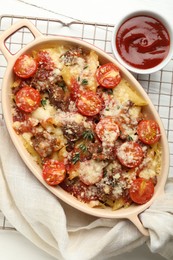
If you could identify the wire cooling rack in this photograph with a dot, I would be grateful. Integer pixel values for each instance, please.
(159, 85)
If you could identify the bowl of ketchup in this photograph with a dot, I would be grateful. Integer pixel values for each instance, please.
(143, 42)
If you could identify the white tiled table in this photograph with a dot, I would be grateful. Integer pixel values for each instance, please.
(12, 244)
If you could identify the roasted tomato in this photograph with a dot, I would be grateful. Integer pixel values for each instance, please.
(108, 75)
(74, 89)
(25, 66)
(130, 154)
(84, 192)
(54, 172)
(44, 60)
(107, 130)
(141, 190)
(28, 99)
(148, 131)
(81, 191)
(89, 103)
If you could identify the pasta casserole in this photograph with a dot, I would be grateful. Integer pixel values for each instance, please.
(83, 123)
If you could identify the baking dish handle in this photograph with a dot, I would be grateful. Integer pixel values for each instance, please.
(14, 28)
(136, 221)
(134, 218)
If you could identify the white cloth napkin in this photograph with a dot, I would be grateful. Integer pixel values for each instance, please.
(66, 233)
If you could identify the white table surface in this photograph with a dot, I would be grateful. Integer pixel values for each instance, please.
(12, 244)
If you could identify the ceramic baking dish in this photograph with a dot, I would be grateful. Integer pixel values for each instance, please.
(131, 213)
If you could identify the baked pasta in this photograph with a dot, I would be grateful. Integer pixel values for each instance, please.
(84, 125)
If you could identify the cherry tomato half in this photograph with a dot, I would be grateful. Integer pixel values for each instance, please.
(74, 89)
(84, 192)
(108, 75)
(54, 172)
(130, 154)
(45, 61)
(141, 190)
(28, 99)
(107, 130)
(89, 103)
(25, 66)
(148, 131)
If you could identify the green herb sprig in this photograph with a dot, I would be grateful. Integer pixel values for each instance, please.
(129, 138)
(75, 158)
(88, 135)
(84, 82)
(44, 102)
(83, 147)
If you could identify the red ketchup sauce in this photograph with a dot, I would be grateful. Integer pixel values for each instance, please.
(143, 42)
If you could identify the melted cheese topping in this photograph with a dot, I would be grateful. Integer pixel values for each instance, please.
(90, 172)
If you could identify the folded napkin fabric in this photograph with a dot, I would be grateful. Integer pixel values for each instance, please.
(159, 220)
(66, 233)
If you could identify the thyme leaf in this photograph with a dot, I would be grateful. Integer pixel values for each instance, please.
(83, 147)
(43, 102)
(75, 158)
(85, 67)
(88, 135)
(84, 82)
(129, 138)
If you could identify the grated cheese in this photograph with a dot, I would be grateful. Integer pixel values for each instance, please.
(90, 172)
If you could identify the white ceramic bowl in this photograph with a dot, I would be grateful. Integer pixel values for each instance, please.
(155, 15)
(41, 41)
